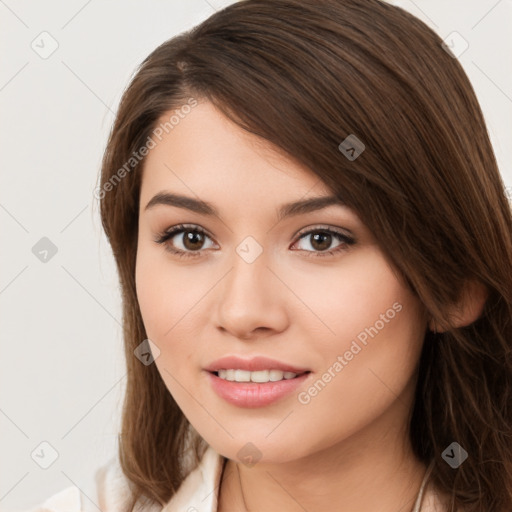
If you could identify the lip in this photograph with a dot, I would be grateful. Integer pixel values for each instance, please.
(253, 364)
(254, 394)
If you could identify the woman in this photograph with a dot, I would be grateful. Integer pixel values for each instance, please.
(315, 253)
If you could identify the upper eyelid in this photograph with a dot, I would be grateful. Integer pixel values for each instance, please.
(320, 227)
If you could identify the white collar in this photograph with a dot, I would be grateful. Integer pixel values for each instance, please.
(200, 489)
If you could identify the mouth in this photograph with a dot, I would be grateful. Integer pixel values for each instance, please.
(244, 368)
(255, 389)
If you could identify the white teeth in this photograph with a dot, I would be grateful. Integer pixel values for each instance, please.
(259, 376)
(242, 376)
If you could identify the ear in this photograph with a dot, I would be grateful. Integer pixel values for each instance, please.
(469, 307)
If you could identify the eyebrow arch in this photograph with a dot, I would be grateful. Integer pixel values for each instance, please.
(205, 208)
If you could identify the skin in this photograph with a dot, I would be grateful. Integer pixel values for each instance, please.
(349, 445)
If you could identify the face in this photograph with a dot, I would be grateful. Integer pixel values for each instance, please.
(246, 277)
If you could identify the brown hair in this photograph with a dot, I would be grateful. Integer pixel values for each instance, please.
(304, 75)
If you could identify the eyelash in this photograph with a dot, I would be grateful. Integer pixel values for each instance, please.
(162, 238)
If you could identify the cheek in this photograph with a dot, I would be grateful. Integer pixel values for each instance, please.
(149, 285)
(170, 299)
(345, 300)
(368, 362)
(166, 294)
(164, 303)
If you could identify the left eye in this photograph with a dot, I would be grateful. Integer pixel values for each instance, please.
(321, 240)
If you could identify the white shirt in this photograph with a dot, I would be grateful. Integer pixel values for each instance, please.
(198, 492)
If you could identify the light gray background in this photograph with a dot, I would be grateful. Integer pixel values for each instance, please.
(62, 369)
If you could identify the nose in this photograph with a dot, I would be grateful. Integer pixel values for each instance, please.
(251, 300)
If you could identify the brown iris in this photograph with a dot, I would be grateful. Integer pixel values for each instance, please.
(193, 240)
(323, 239)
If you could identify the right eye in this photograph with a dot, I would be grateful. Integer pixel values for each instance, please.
(190, 237)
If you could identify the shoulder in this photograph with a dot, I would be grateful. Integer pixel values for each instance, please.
(112, 493)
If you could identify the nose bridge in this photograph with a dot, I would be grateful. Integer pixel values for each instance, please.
(249, 276)
(249, 295)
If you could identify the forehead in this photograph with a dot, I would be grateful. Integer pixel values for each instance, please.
(207, 154)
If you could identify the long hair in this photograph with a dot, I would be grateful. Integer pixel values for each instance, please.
(305, 75)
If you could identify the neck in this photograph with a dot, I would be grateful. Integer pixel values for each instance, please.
(373, 469)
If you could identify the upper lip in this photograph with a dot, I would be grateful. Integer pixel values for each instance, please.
(253, 364)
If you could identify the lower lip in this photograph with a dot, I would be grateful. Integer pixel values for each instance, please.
(254, 394)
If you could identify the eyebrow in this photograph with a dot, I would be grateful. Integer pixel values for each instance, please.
(205, 208)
